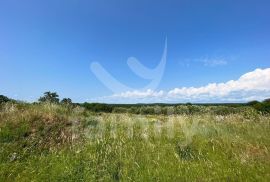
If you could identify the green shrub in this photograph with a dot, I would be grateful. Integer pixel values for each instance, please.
(4, 99)
(98, 107)
(120, 110)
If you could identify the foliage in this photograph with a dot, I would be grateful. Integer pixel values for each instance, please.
(120, 110)
(51, 97)
(263, 107)
(188, 109)
(4, 99)
(98, 107)
(66, 101)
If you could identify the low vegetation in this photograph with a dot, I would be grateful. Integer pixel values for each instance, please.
(165, 109)
(61, 141)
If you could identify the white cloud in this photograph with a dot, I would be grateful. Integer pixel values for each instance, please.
(139, 94)
(206, 61)
(258, 80)
(254, 85)
(213, 62)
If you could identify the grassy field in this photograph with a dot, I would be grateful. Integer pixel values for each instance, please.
(49, 142)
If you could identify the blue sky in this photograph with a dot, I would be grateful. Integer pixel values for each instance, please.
(50, 45)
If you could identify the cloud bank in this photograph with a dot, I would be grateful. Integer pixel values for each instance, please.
(254, 85)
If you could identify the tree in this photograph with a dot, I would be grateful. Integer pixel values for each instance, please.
(261, 106)
(252, 103)
(51, 97)
(4, 99)
(267, 101)
(66, 101)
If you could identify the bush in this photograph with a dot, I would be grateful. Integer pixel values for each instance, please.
(263, 107)
(4, 99)
(120, 110)
(147, 110)
(224, 110)
(98, 107)
(66, 101)
(134, 110)
(51, 97)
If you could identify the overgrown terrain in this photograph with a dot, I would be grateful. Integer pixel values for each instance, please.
(58, 142)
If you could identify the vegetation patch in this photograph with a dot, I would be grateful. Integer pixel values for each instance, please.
(54, 141)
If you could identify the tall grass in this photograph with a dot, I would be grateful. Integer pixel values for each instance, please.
(50, 142)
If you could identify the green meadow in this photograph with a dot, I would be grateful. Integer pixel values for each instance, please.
(54, 142)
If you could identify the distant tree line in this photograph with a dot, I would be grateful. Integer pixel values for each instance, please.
(48, 97)
(157, 108)
(98, 107)
(164, 109)
(4, 99)
(263, 106)
(53, 97)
